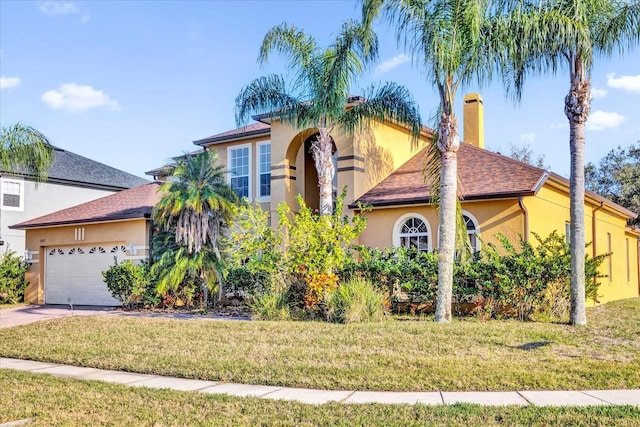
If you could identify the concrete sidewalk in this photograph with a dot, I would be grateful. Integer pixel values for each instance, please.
(498, 398)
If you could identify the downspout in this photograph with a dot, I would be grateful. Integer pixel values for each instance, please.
(593, 234)
(593, 227)
(150, 228)
(525, 214)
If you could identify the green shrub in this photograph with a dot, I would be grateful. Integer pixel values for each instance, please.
(270, 305)
(405, 275)
(12, 278)
(303, 254)
(131, 284)
(529, 280)
(356, 300)
(524, 282)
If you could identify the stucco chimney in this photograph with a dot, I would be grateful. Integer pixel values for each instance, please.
(473, 116)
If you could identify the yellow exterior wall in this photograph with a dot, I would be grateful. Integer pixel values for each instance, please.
(133, 232)
(367, 158)
(547, 211)
(493, 217)
(363, 161)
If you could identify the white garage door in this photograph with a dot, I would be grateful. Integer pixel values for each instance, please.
(74, 274)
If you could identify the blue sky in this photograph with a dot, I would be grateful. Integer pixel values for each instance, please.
(133, 83)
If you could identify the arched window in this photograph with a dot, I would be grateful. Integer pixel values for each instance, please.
(473, 231)
(412, 231)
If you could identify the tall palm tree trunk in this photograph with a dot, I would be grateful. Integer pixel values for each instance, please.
(322, 150)
(577, 106)
(448, 144)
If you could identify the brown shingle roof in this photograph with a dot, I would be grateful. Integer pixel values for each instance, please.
(134, 203)
(253, 129)
(482, 174)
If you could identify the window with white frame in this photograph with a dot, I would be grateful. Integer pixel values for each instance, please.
(473, 231)
(264, 170)
(239, 159)
(412, 231)
(12, 194)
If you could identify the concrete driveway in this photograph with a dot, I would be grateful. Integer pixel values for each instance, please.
(34, 313)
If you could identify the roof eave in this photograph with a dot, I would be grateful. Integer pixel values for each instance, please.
(85, 221)
(423, 200)
(230, 138)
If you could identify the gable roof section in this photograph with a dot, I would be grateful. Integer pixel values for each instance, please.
(134, 203)
(254, 129)
(73, 169)
(482, 174)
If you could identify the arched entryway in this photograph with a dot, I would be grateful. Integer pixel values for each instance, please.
(309, 189)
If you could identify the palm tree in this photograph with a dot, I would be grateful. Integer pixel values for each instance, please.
(553, 33)
(451, 40)
(319, 96)
(23, 149)
(196, 203)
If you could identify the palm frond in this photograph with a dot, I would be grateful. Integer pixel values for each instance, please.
(24, 149)
(389, 103)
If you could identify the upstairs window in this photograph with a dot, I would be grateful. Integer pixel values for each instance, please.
(12, 194)
(239, 158)
(264, 170)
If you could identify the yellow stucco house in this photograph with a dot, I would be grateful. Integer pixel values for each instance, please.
(269, 162)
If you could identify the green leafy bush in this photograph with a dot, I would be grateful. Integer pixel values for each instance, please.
(356, 300)
(303, 253)
(528, 281)
(132, 285)
(404, 274)
(532, 279)
(12, 278)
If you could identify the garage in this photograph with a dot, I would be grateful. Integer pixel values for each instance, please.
(69, 249)
(74, 274)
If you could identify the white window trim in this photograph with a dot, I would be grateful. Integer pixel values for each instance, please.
(477, 226)
(18, 181)
(258, 196)
(237, 147)
(400, 222)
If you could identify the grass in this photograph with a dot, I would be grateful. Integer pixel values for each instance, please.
(48, 401)
(396, 355)
(8, 306)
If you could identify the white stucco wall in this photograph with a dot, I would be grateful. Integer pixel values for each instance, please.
(39, 200)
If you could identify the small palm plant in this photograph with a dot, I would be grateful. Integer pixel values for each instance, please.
(196, 204)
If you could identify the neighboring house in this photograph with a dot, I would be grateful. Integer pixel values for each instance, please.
(269, 162)
(72, 179)
(70, 248)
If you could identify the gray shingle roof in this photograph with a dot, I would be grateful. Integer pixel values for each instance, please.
(74, 169)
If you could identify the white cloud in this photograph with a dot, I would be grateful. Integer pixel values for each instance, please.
(59, 8)
(599, 120)
(392, 63)
(528, 137)
(630, 83)
(55, 8)
(76, 98)
(598, 93)
(7, 82)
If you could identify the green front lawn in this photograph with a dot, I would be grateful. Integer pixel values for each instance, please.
(396, 355)
(48, 400)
